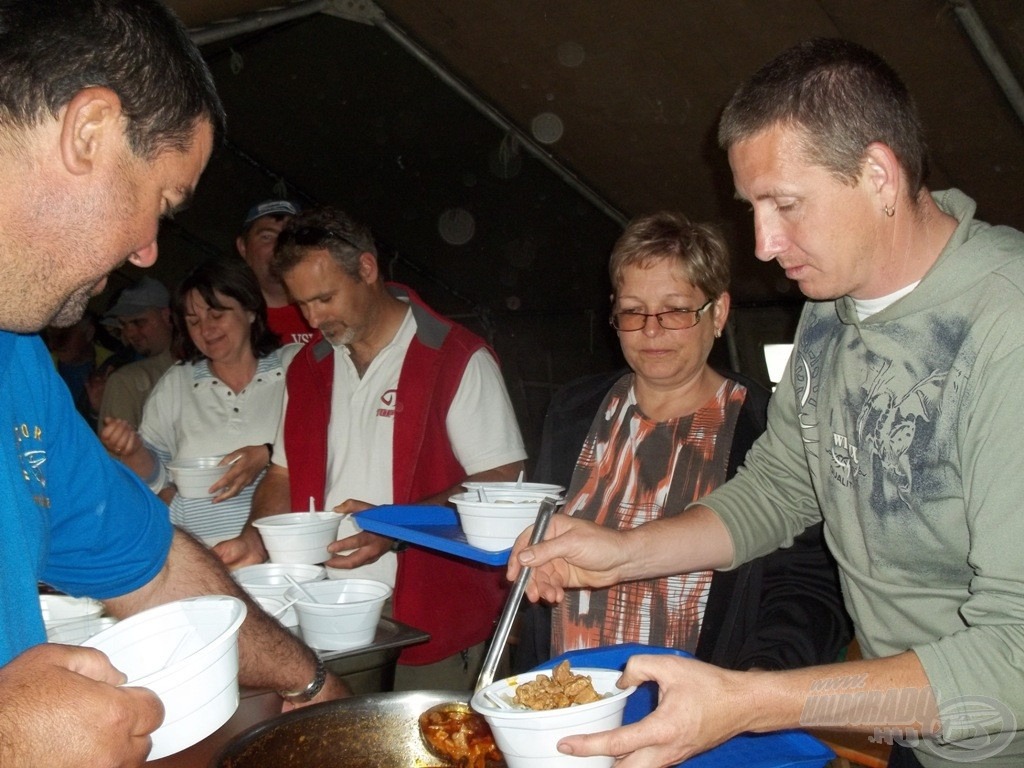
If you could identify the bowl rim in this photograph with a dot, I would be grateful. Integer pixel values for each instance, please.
(333, 584)
(528, 496)
(481, 704)
(239, 609)
(175, 464)
(268, 569)
(280, 521)
(512, 485)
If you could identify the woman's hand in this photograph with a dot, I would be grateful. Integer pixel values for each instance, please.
(245, 466)
(120, 438)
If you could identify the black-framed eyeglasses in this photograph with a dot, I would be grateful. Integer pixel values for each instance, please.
(670, 319)
(312, 236)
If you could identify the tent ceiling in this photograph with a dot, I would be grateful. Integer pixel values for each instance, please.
(633, 89)
(333, 110)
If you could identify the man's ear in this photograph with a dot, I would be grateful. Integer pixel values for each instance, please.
(882, 169)
(91, 124)
(368, 270)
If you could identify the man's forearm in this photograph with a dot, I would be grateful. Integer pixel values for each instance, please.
(269, 655)
(272, 495)
(695, 540)
(890, 697)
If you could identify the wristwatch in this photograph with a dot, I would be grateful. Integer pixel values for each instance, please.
(310, 691)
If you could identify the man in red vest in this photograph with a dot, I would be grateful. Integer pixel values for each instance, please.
(390, 403)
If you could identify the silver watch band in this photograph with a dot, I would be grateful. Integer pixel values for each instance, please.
(310, 691)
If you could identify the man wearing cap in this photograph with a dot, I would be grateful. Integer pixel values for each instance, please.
(256, 244)
(145, 320)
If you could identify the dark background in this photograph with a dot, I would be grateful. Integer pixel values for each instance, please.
(430, 121)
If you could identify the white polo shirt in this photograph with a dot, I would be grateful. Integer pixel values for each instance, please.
(481, 426)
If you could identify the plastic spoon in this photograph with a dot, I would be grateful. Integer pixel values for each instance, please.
(280, 611)
(291, 580)
(519, 481)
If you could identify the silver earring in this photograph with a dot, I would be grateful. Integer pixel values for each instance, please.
(890, 210)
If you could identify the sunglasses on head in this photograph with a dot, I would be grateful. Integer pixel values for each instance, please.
(312, 236)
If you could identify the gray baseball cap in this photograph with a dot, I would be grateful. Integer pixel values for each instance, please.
(148, 293)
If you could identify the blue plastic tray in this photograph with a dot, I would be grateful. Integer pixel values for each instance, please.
(782, 749)
(435, 528)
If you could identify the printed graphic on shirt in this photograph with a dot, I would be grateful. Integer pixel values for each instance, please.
(388, 400)
(296, 338)
(890, 421)
(32, 459)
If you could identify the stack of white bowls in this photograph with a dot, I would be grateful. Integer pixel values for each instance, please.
(267, 583)
(492, 518)
(339, 614)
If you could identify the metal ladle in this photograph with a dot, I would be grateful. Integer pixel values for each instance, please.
(501, 633)
(515, 597)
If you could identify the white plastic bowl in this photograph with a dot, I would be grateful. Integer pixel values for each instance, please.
(267, 580)
(77, 631)
(193, 477)
(61, 609)
(299, 537)
(275, 606)
(186, 652)
(529, 738)
(345, 614)
(494, 524)
(548, 488)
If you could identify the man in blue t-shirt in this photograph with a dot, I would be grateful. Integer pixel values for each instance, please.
(108, 116)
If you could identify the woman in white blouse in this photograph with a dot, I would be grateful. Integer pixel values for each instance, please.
(224, 397)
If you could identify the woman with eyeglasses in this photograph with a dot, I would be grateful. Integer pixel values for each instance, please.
(224, 397)
(665, 433)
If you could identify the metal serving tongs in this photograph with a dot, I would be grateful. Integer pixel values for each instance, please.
(515, 597)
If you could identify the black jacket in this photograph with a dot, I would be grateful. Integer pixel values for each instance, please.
(780, 611)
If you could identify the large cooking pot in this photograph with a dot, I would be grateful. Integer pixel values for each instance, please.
(379, 730)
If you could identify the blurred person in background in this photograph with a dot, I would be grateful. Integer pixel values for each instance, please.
(108, 115)
(144, 317)
(255, 243)
(223, 398)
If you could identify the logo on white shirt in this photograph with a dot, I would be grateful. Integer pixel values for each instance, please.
(388, 400)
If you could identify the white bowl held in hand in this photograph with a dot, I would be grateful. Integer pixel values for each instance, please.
(494, 524)
(528, 738)
(193, 477)
(299, 537)
(186, 652)
(345, 614)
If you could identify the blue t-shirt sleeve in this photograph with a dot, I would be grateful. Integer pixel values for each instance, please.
(108, 533)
